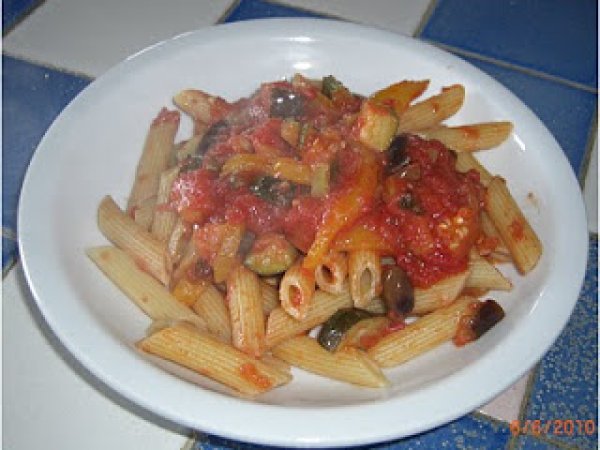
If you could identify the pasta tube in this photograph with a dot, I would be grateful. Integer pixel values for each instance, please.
(245, 309)
(349, 364)
(207, 355)
(420, 336)
(148, 252)
(156, 154)
(469, 138)
(364, 276)
(523, 243)
(147, 293)
(433, 110)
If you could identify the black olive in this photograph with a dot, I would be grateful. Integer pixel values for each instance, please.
(286, 104)
(214, 133)
(398, 293)
(488, 315)
(333, 330)
(397, 156)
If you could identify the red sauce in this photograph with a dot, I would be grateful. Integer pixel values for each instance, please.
(428, 215)
(516, 229)
(250, 373)
(166, 116)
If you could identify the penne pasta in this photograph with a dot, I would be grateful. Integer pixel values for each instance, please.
(349, 365)
(155, 158)
(296, 291)
(243, 240)
(178, 240)
(470, 138)
(364, 276)
(270, 297)
(125, 233)
(484, 275)
(281, 326)
(523, 243)
(466, 161)
(400, 95)
(245, 309)
(188, 148)
(210, 305)
(147, 293)
(208, 356)
(439, 294)
(164, 219)
(420, 336)
(331, 274)
(201, 106)
(490, 231)
(432, 111)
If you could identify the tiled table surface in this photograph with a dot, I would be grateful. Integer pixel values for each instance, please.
(544, 51)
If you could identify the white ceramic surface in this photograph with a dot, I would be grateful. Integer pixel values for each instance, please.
(92, 150)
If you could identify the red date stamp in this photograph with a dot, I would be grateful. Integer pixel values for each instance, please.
(555, 427)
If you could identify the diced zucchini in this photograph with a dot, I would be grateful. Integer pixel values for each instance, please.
(330, 84)
(377, 125)
(270, 254)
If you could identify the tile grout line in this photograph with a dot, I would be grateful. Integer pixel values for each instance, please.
(48, 66)
(508, 65)
(425, 18)
(23, 16)
(227, 13)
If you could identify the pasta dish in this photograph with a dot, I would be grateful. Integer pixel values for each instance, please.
(309, 226)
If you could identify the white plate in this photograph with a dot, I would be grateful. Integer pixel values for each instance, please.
(92, 150)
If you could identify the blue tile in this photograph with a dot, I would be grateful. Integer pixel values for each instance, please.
(566, 383)
(557, 37)
(534, 443)
(468, 432)
(15, 10)
(566, 111)
(258, 9)
(32, 98)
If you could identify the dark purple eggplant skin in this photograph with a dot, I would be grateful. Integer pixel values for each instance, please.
(488, 315)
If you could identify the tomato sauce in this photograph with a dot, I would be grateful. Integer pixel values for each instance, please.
(426, 212)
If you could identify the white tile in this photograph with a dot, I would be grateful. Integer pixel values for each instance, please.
(402, 16)
(88, 36)
(590, 190)
(507, 405)
(49, 403)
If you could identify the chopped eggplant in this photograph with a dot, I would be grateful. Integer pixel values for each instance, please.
(397, 157)
(273, 190)
(377, 125)
(271, 254)
(410, 202)
(212, 136)
(190, 164)
(332, 332)
(398, 293)
(477, 320)
(286, 104)
(488, 315)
